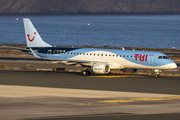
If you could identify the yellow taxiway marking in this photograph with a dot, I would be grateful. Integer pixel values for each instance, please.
(115, 76)
(90, 104)
(106, 102)
(139, 99)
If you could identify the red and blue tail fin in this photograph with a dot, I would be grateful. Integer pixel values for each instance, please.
(33, 38)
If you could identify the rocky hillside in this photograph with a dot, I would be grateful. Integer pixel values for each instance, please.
(89, 7)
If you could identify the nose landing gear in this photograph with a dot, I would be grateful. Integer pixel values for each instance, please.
(158, 72)
(157, 75)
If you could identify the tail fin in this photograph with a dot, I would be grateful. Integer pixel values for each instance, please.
(33, 38)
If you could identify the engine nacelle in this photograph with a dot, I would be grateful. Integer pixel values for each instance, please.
(129, 70)
(100, 68)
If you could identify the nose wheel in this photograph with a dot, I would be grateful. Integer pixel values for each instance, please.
(157, 76)
(157, 73)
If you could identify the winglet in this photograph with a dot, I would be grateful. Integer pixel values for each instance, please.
(34, 54)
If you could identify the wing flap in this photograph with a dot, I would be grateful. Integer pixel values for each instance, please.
(75, 62)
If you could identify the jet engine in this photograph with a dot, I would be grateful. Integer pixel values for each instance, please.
(129, 70)
(100, 68)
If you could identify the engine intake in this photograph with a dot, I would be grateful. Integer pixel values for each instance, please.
(100, 68)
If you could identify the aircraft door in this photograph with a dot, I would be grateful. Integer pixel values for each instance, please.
(150, 60)
(101, 55)
(49, 52)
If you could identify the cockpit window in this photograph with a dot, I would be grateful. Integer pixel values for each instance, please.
(163, 57)
(160, 57)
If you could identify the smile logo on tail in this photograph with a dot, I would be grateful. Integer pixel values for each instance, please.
(28, 35)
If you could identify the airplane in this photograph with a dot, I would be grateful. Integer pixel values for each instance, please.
(98, 61)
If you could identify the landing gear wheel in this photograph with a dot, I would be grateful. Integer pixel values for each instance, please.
(86, 72)
(157, 75)
(158, 72)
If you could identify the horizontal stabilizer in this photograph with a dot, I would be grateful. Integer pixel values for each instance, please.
(17, 48)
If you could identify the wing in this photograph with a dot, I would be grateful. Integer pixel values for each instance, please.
(75, 62)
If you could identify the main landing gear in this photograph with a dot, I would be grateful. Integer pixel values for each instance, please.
(158, 72)
(86, 72)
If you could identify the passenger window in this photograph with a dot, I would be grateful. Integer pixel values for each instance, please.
(97, 54)
(77, 53)
(87, 54)
(109, 55)
(94, 54)
(131, 56)
(123, 55)
(67, 52)
(116, 55)
(106, 55)
(83, 53)
(127, 55)
(120, 55)
(101, 54)
(90, 54)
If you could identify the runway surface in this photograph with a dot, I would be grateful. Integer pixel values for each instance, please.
(57, 95)
(146, 84)
(69, 95)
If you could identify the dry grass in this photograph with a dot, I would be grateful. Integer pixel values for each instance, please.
(5, 67)
(14, 53)
(28, 68)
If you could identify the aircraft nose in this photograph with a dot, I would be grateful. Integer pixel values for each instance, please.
(173, 65)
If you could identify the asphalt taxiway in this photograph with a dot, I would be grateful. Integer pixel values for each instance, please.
(64, 95)
(131, 83)
(69, 95)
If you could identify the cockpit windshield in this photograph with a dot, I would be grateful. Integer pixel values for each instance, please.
(163, 57)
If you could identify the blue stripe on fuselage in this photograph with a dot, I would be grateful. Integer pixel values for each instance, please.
(151, 61)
